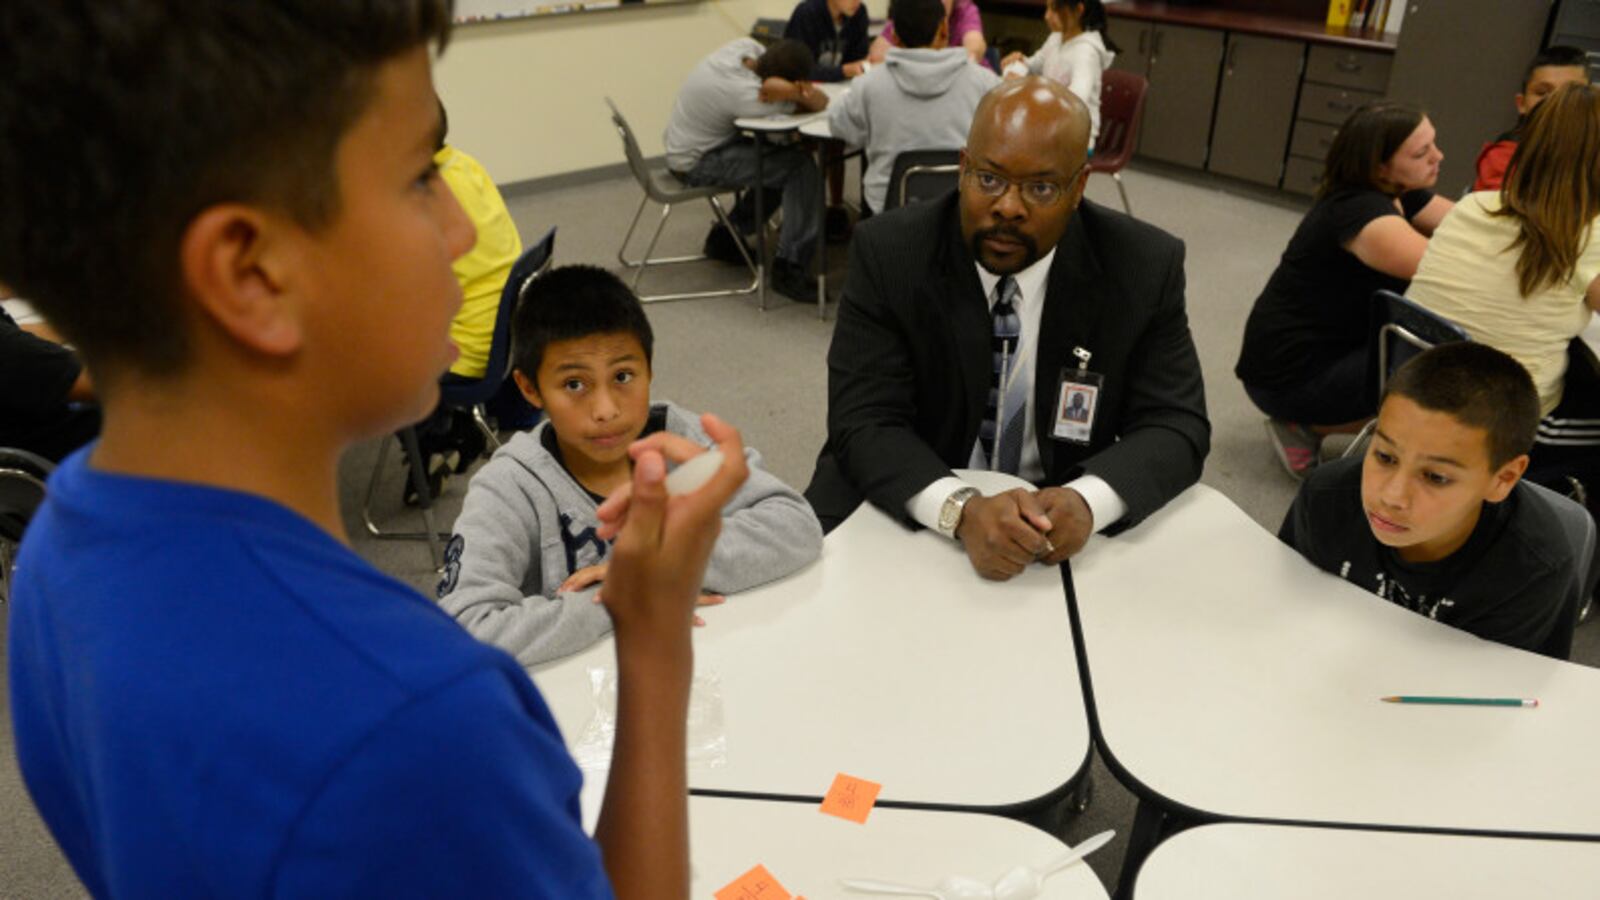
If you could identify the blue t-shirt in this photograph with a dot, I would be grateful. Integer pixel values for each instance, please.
(211, 696)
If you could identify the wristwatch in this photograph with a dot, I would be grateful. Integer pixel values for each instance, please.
(950, 512)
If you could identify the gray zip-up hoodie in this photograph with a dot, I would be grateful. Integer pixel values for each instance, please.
(527, 524)
(917, 100)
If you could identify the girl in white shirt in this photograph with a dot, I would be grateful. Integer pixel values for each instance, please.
(1076, 53)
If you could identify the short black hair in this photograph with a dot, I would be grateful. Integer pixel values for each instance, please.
(916, 22)
(571, 302)
(1559, 55)
(1478, 386)
(120, 120)
(786, 59)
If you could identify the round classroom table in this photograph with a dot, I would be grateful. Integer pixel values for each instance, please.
(1266, 862)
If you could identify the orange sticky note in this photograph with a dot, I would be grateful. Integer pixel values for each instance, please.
(756, 884)
(851, 798)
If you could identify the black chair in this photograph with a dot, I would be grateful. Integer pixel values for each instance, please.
(919, 175)
(22, 489)
(468, 396)
(1404, 330)
(1579, 527)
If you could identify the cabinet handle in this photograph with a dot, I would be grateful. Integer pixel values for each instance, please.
(1233, 49)
(1347, 65)
(1155, 49)
(1341, 105)
(1144, 39)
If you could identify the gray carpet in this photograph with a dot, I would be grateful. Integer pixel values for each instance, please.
(765, 372)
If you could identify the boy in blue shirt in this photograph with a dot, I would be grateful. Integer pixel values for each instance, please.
(231, 208)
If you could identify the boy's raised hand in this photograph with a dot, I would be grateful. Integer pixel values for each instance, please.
(662, 543)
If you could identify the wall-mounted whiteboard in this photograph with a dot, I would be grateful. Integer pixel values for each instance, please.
(470, 11)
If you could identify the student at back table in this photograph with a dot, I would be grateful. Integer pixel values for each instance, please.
(1552, 68)
(1304, 360)
(921, 98)
(211, 693)
(1435, 518)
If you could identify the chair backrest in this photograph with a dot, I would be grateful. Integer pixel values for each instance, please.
(1405, 330)
(22, 489)
(630, 149)
(1579, 528)
(768, 31)
(921, 175)
(1121, 108)
(533, 262)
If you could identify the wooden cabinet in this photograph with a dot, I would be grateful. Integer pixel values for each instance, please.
(1255, 107)
(1132, 38)
(1338, 82)
(1183, 69)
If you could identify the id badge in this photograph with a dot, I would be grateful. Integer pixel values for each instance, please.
(1076, 404)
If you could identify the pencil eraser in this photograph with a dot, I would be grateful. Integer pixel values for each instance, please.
(687, 478)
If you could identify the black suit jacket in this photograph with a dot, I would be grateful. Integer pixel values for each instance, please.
(909, 367)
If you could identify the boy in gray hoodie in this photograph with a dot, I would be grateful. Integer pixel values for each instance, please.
(921, 98)
(525, 564)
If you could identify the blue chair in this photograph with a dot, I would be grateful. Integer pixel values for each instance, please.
(1404, 330)
(468, 396)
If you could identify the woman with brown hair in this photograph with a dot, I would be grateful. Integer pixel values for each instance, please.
(1304, 361)
(1519, 269)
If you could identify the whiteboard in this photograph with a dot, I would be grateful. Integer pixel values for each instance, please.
(470, 11)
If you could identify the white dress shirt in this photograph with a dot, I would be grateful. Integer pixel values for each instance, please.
(1105, 504)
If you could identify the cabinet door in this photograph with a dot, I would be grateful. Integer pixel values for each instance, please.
(1184, 63)
(1132, 38)
(1255, 107)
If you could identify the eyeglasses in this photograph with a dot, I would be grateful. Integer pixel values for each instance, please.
(1036, 194)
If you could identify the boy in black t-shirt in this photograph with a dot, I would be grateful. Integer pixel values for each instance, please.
(1435, 517)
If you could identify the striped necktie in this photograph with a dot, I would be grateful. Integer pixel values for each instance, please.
(1007, 337)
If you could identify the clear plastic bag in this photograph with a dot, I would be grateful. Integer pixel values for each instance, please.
(707, 735)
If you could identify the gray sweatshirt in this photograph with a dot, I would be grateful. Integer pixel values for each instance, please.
(917, 100)
(527, 524)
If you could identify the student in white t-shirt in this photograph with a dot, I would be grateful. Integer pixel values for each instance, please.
(1077, 52)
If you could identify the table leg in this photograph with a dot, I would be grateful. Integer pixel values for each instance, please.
(1146, 833)
(821, 251)
(761, 218)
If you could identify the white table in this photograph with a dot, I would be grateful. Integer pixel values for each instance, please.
(1266, 862)
(1232, 678)
(889, 660)
(761, 126)
(808, 852)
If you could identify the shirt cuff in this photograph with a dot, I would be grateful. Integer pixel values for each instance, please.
(1105, 504)
(925, 506)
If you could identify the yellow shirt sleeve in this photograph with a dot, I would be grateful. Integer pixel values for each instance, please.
(483, 271)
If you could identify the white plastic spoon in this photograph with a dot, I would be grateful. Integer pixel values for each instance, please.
(951, 887)
(1025, 882)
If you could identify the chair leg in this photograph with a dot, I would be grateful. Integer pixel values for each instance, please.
(1359, 445)
(622, 252)
(419, 480)
(480, 417)
(1123, 190)
(646, 261)
(666, 210)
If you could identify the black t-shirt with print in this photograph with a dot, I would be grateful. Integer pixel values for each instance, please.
(1512, 581)
(1317, 306)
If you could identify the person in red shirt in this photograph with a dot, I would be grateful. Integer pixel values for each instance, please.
(1552, 68)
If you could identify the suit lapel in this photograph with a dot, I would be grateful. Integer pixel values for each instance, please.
(1074, 301)
(960, 297)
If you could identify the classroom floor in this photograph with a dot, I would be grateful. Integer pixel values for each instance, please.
(766, 373)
